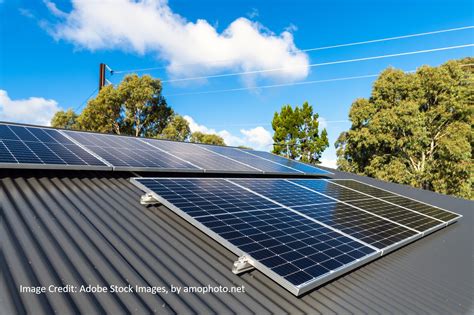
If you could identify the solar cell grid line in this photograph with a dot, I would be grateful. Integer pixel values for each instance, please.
(413, 205)
(294, 251)
(398, 214)
(126, 153)
(269, 237)
(237, 183)
(371, 228)
(361, 225)
(428, 210)
(362, 209)
(177, 157)
(332, 190)
(202, 197)
(283, 192)
(302, 167)
(263, 165)
(42, 147)
(204, 159)
(404, 217)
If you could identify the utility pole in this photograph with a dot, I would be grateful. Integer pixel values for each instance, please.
(101, 75)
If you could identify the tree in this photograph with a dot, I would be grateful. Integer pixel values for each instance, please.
(103, 113)
(177, 129)
(146, 111)
(414, 129)
(296, 134)
(199, 137)
(136, 107)
(64, 119)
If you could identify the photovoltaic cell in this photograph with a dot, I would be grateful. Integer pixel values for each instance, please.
(405, 217)
(298, 236)
(308, 169)
(370, 190)
(201, 197)
(24, 145)
(431, 211)
(254, 161)
(290, 245)
(401, 201)
(397, 214)
(364, 226)
(128, 152)
(360, 224)
(200, 157)
(295, 248)
(283, 192)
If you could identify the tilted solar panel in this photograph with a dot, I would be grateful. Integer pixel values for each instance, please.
(35, 147)
(22, 145)
(299, 232)
(130, 153)
(302, 167)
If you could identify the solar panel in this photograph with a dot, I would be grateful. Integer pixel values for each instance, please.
(35, 147)
(401, 201)
(359, 223)
(405, 217)
(292, 249)
(265, 166)
(204, 159)
(305, 168)
(21, 146)
(126, 153)
(296, 231)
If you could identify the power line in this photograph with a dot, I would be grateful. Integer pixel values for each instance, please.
(308, 49)
(318, 64)
(85, 101)
(279, 85)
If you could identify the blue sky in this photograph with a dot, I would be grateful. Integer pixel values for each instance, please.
(50, 52)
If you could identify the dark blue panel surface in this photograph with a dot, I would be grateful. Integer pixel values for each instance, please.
(42, 146)
(129, 152)
(283, 191)
(292, 246)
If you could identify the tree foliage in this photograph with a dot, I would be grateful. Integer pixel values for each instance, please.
(416, 129)
(64, 119)
(135, 107)
(296, 134)
(199, 137)
(177, 129)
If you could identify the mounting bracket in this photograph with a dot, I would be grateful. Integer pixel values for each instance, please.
(243, 264)
(148, 199)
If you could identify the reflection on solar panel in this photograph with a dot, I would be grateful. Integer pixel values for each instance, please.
(302, 167)
(252, 160)
(299, 232)
(27, 147)
(202, 158)
(127, 152)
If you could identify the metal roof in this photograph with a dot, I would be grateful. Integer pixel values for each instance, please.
(69, 227)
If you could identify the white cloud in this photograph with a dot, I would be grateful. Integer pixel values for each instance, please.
(34, 110)
(150, 26)
(257, 138)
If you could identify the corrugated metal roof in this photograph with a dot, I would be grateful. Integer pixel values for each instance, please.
(89, 228)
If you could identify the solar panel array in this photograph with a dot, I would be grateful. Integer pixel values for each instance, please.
(32, 147)
(299, 232)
